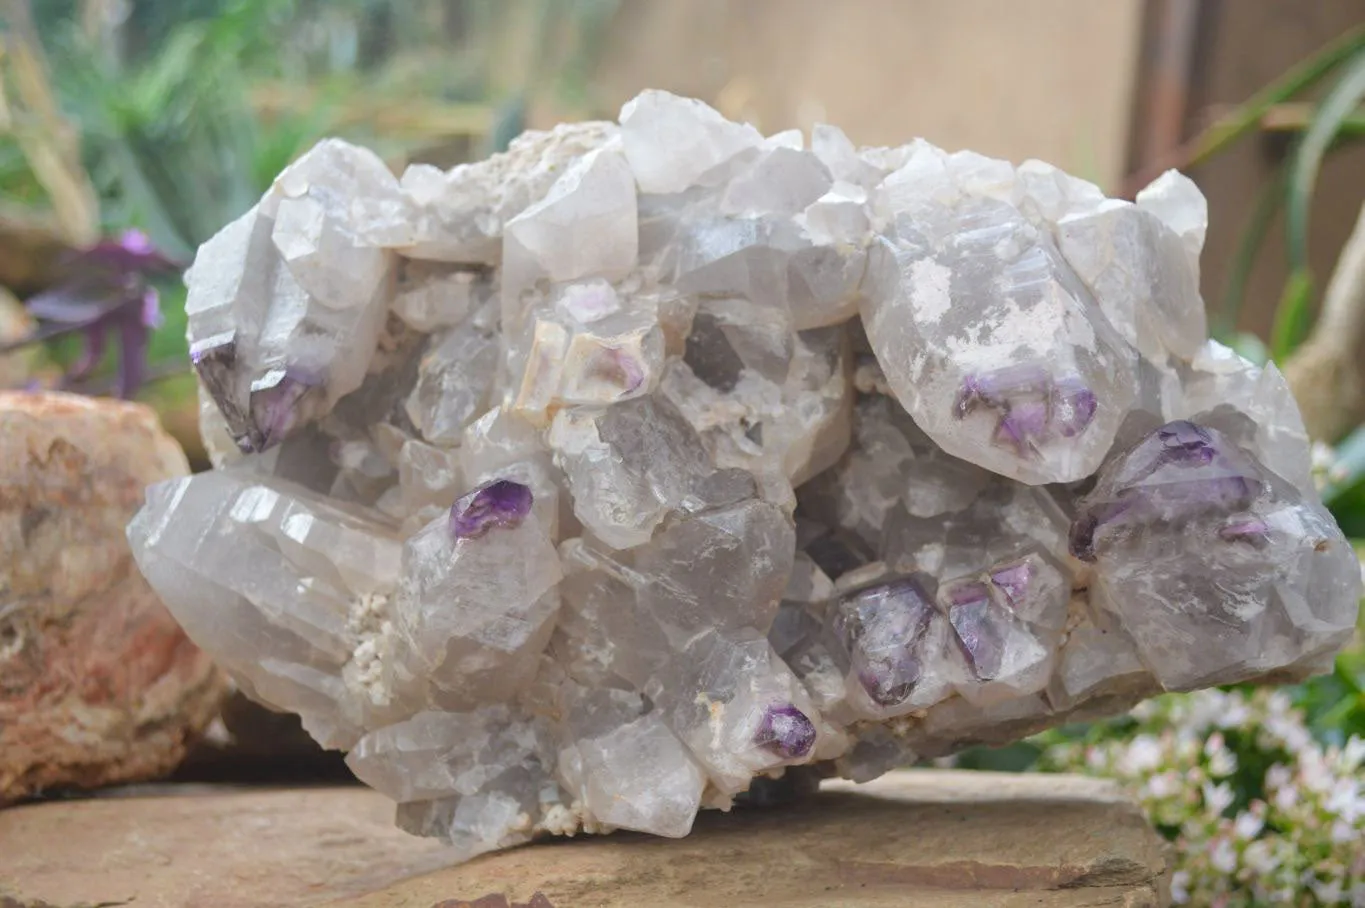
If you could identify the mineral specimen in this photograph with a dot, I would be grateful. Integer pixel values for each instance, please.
(577, 488)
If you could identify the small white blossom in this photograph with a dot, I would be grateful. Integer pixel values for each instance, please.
(1180, 887)
(1223, 857)
(1248, 825)
(1143, 755)
(1222, 762)
(1286, 798)
(1302, 846)
(1329, 893)
(1218, 798)
(1353, 754)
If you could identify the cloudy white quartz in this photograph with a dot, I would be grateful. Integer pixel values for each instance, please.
(580, 487)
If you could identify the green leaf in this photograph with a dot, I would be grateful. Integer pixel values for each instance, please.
(1302, 76)
(1323, 129)
(1293, 315)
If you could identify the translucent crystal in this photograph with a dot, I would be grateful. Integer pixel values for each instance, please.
(1194, 539)
(278, 579)
(671, 141)
(576, 488)
(985, 333)
(615, 741)
(479, 594)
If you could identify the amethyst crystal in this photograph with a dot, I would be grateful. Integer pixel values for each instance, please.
(277, 402)
(786, 731)
(500, 504)
(1179, 528)
(777, 450)
(978, 629)
(1013, 580)
(1032, 407)
(1180, 472)
(884, 628)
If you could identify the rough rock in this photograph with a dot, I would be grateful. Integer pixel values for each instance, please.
(920, 838)
(98, 684)
(577, 488)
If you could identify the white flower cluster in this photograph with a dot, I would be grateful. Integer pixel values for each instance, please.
(1261, 814)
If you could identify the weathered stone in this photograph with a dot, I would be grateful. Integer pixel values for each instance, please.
(937, 839)
(98, 684)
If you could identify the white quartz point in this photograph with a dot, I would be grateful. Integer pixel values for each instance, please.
(639, 776)
(270, 578)
(836, 151)
(990, 341)
(454, 381)
(738, 707)
(1050, 193)
(724, 568)
(434, 295)
(1140, 274)
(627, 768)
(459, 214)
(1175, 199)
(585, 226)
(1219, 377)
(319, 230)
(671, 141)
(780, 181)
(438, 754)
(476, 612)
(627, 466)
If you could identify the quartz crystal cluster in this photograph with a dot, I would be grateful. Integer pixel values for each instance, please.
(580, 487)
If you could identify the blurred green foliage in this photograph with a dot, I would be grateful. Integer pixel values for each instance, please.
(187, 109)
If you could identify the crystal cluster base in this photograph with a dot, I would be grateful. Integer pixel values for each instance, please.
(577, 488)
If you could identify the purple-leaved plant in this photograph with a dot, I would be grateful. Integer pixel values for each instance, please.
(108, 291)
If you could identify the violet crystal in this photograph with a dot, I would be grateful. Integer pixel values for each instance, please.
(501, 503)
(786, 731)
(580, 487)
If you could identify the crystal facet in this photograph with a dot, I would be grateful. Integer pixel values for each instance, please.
(576, 488)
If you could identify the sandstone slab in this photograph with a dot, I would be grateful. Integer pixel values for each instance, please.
(98, 684)
(931, 838)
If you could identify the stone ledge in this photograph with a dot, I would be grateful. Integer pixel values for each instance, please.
(931, 838)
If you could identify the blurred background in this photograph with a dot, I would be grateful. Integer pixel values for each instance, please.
(171, 117)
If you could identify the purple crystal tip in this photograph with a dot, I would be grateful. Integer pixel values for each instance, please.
(1031, 406)
(1177, 473)
(501, 503)
(883, 628)
(1186, 443)
(785, 731)
(277, 405)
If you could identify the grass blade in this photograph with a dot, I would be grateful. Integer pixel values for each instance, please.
(1335, 109)
(1247, 117)
(1293, 315)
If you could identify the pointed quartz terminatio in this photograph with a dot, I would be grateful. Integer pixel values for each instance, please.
(578, 488)
(1193, 538)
